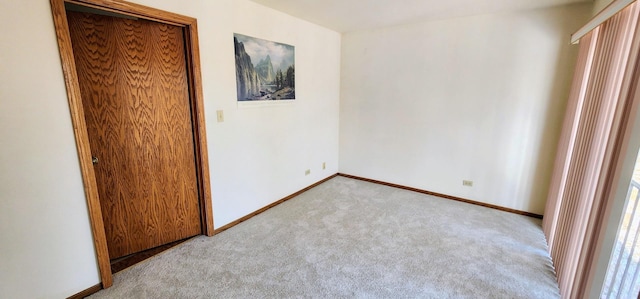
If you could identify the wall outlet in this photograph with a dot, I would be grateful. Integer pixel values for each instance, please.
(467, 183)
(307, 172)
(324, 165)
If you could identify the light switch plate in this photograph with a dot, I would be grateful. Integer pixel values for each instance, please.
(220, 114)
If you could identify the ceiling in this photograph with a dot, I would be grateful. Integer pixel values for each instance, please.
(355, 15)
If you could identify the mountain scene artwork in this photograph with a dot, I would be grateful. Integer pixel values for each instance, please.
(265, 70)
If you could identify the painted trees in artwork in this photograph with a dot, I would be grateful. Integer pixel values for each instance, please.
(290, 79)
(279, 80)
(287, 79)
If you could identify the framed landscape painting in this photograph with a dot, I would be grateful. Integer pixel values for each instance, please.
(265, 70)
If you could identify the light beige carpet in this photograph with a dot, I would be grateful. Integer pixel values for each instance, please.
(353, 239)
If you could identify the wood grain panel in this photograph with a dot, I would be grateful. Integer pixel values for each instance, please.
(134, 86)
(82, 140)
(137, 10)
(78, 119)
(197, 102)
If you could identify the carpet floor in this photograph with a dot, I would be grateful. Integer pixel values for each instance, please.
(352, 239)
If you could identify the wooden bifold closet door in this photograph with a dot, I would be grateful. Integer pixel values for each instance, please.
(134, 87)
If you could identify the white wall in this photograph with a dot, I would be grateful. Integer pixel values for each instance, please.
(599, 5)
(480, 98)
(257, 156)
(46, 249)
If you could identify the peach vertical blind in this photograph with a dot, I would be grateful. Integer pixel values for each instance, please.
(609, 11)
(575, 202)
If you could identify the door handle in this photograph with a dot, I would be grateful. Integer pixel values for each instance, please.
(94, 160)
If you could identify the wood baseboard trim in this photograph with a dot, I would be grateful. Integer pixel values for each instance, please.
(259, 211)
(473, 202)
(88, 292)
